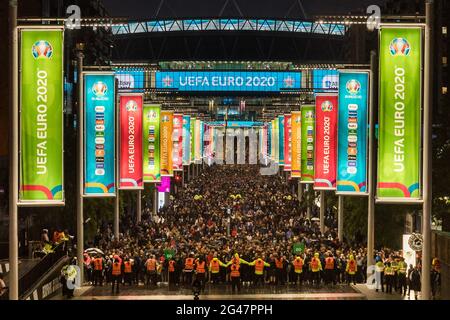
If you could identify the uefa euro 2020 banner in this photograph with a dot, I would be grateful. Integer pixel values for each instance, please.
(99, 134)
(177, 142)
(186, 140)
(197, 143)
(41, 117)
(352, 132)
(281, 140)
(130, 155)
(287, 142)
(326, 141)
(399, 142)
(296, 127)
(192, 137)
(308, 135)
(166, 143)
(151, 150)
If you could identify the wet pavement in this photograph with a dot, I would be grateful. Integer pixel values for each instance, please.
(222, 292)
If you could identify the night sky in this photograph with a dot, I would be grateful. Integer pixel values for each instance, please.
(145, 9)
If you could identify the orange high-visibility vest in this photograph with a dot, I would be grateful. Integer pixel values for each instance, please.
(298, 265)
(127, 265)
(98, 264)
(215, 266)
(171, 266)
(235, 271)
(116, 269)
(259, 266)
(352, 266)
(279, 263)
(200, 267)
(151, 264)
(189, 264)
(315, 264)
(329, 263)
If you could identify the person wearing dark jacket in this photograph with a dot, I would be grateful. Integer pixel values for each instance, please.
(415, 282)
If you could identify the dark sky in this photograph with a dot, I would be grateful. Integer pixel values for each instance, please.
(142, 9)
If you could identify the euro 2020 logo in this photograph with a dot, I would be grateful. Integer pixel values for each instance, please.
(399, 47)
(99, 89)
(42, 49)
(353, 86)
(131, 106)
(327, 106)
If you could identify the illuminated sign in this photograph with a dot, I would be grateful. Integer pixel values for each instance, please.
(130, 79)
(272, 81)
(325, 80)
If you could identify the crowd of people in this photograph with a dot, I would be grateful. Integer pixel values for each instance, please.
(232, 225)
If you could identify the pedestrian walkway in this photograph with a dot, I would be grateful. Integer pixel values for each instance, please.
(371, 294)
(220, 292)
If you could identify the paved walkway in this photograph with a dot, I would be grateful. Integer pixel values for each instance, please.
(371, 294)
(220, 292)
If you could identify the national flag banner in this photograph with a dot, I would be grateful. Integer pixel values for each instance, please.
(131, 174)
(99, 134)
(269, 140)
(186, 140)
(152, 143)
(308, 136)
(41, 159)
(166, 132)
(177, 142)
(399, 143)
(281, 140)
(352, 132)
(265, 142)
(287, 142)
(192, 136)
(326, 141)
(296, 127)
(202, 140)
(273, 141)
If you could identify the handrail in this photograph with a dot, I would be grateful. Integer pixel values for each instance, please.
(32, 276)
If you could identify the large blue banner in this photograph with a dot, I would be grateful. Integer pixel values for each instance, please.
(352, 131)
(99, 135)
(270, 81)
(186, 140)
(325, 80)
(281, 140)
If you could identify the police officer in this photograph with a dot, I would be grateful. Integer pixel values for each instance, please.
(128, 271)
(315, 267)
(116, 274)
(401, 276)
(379, 273)
(200, 272)
(98, 271)
(235, 276)
(298, 270)
(330, 269)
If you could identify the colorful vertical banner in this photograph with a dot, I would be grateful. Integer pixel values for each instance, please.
(41, 117)
(287, 142)
(166, 132)
(186, 140)
(178, 142)
(272, 140)
(326, 141)
(131, 174)
(308, 135)
(269, 140)
(152, 143)
(99, 134)
(202, 140)
(352, 133)
(276, 140)
(192, 136)
(399, 142)
(197, 142)
(296, 127)
(281, 140)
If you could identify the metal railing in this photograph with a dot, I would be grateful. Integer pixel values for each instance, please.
(41, 268)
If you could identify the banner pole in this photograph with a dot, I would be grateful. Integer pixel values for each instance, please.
(139, 207)
(427, 155)
(80, 147)
(340, 218)
(370, 175)
(14, 156)
(322, 211)
(300, 191)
